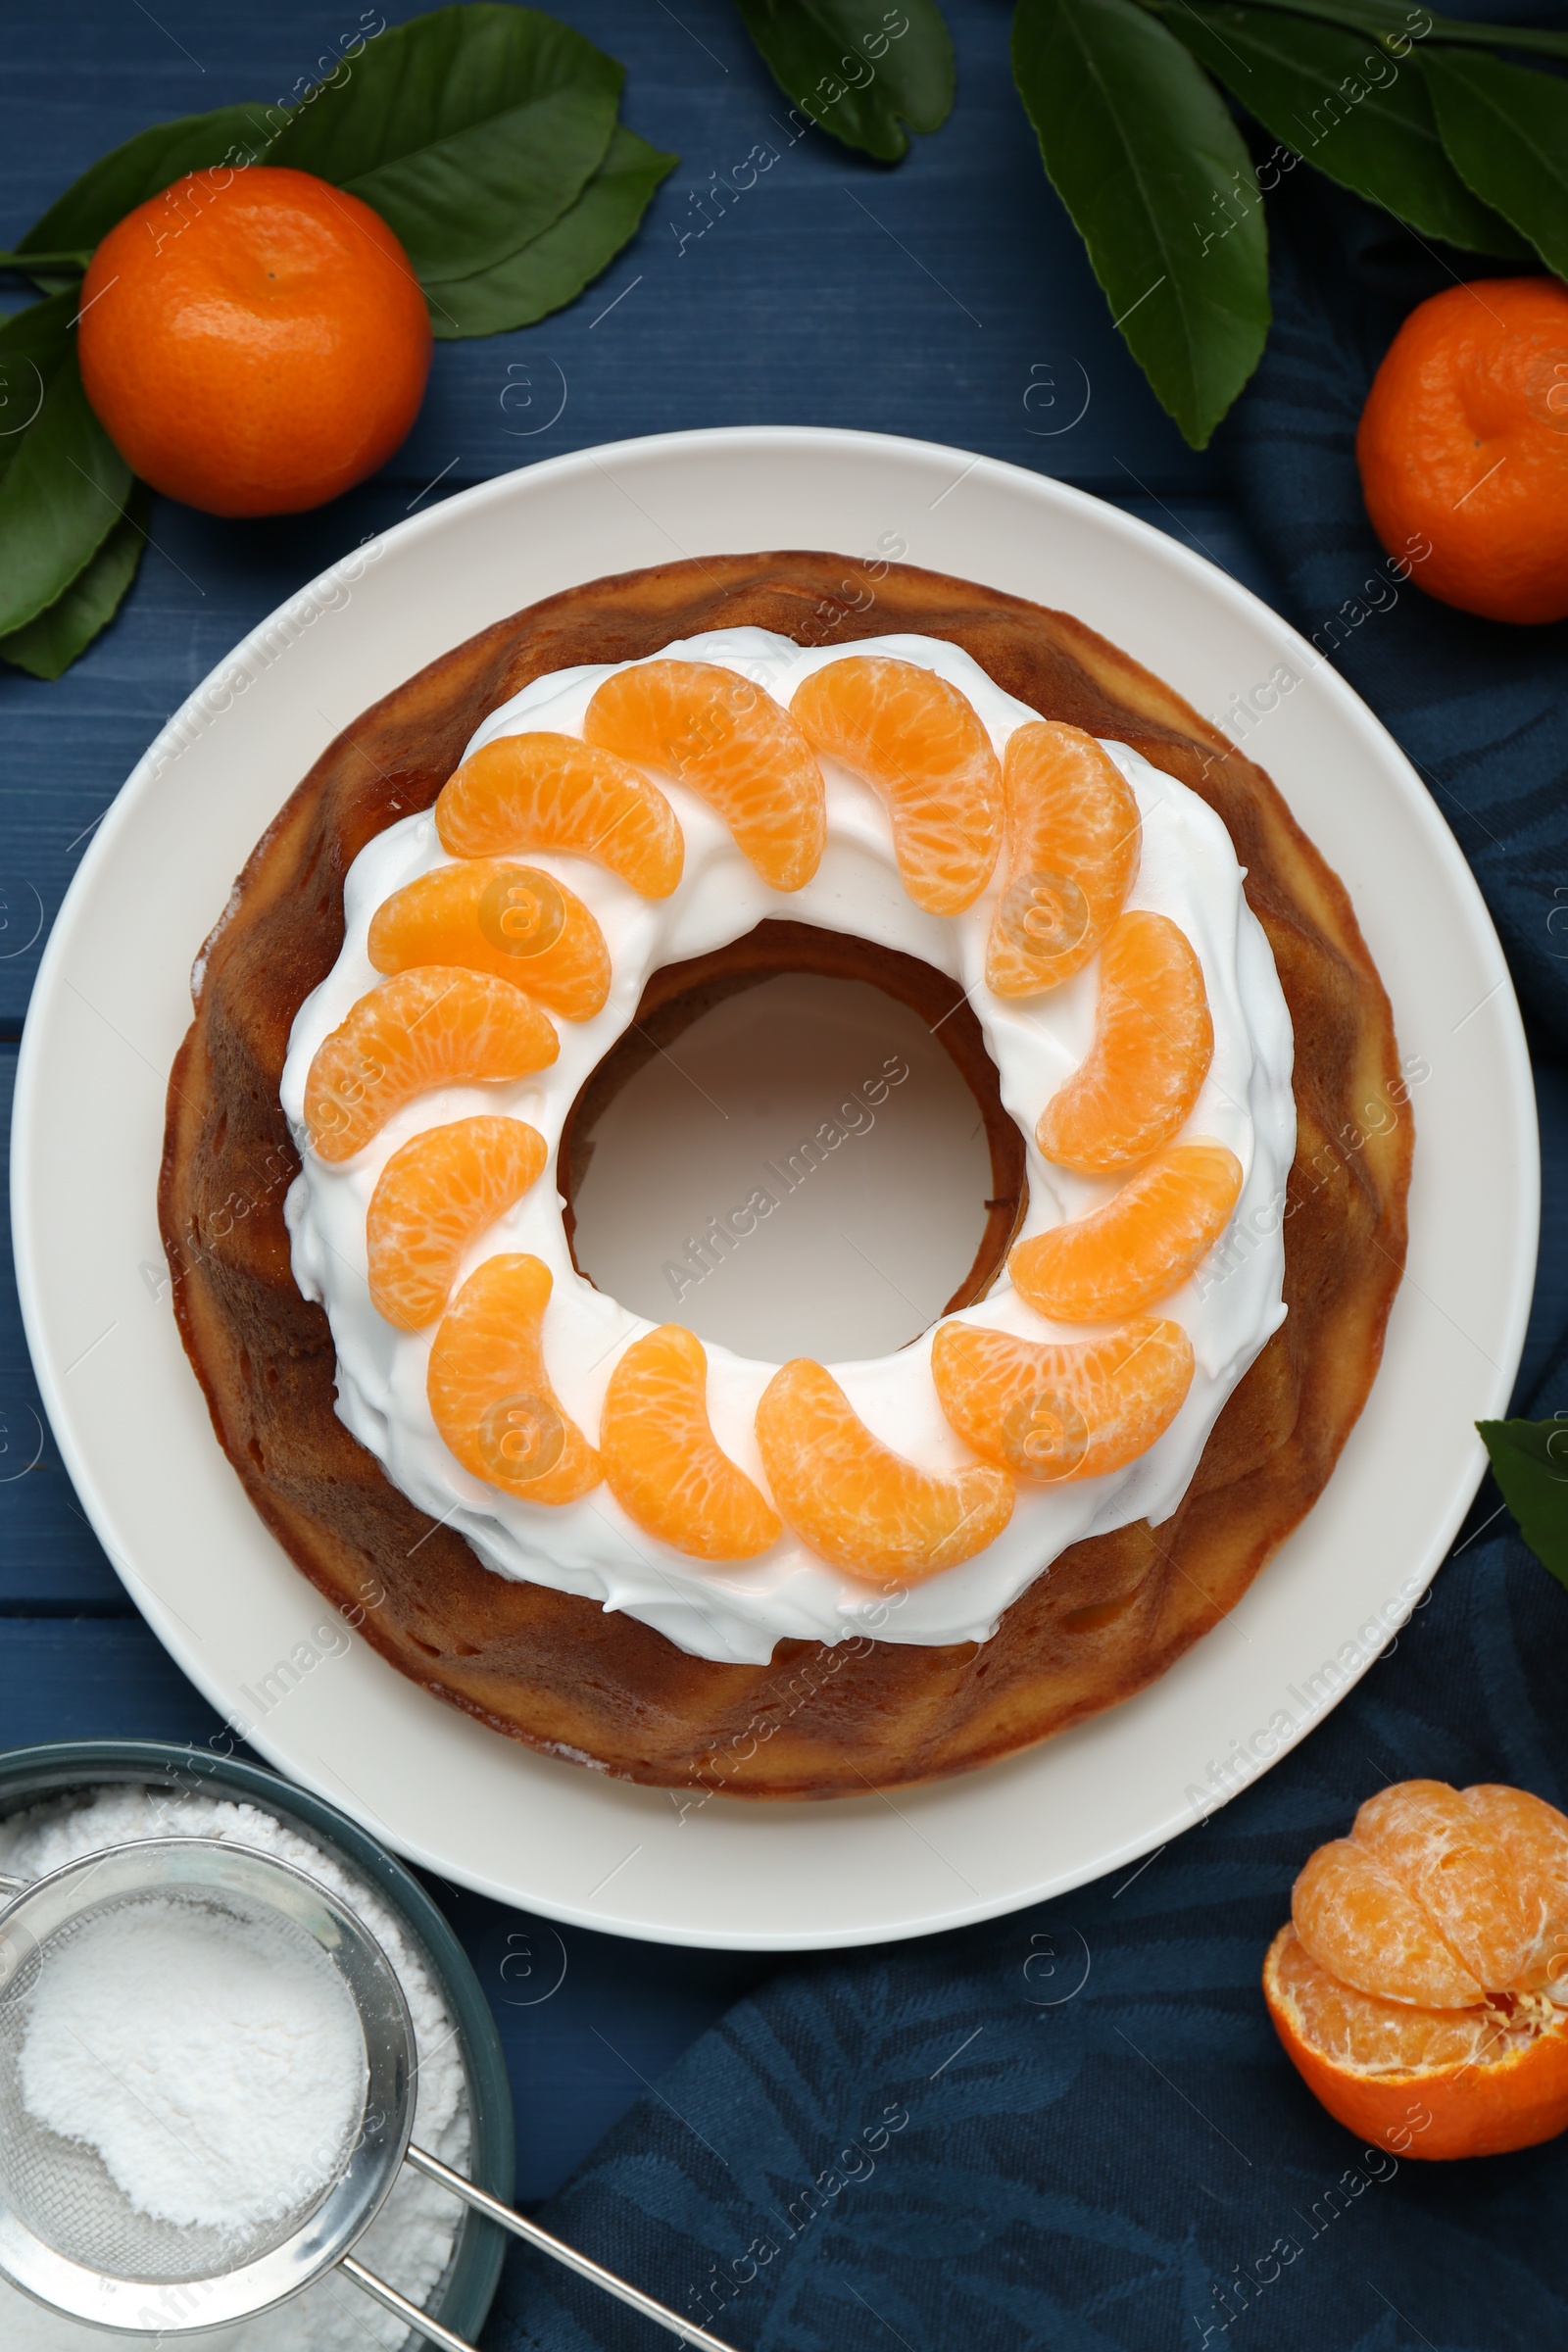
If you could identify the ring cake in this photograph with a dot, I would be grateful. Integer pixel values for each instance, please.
(526, 871)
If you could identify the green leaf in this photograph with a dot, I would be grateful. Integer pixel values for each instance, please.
(63, 490)
(1142, 152)
(848, 65)
(1398, 27)
(465, 203)
(1530, 1463)
(34, 344)
(1506, 130)
(469, 131)
(50, 644)
(129, 174)
(1341, 101)
(553, 269)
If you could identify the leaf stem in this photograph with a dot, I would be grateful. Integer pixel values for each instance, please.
(44, 260)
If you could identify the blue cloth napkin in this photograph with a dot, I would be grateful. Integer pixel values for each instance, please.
(1073, 2129)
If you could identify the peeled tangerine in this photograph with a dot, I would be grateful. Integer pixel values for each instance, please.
(1138, 1248)
(858, 1504)
(433, 1197)
(1416, 1988)
(1153, 1042)
(1062, 1412)
(729, 743)
(490, 1394)
(492, 915)
(434, 1026)
(1073, 841)
(919, 743)
(551, 792)
(663, 1463)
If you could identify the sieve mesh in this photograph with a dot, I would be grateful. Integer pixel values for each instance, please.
(62, 2190)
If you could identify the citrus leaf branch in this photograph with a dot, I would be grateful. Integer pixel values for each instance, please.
(1507, 131)
(861, 70)
(1530, 1463)
(48, 644)
(1142, 152)
(1363, 118)
(569, 255)
(1399, 26)
(469, 131)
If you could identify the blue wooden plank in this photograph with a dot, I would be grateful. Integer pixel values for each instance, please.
(94, 1680)
(587, 2022)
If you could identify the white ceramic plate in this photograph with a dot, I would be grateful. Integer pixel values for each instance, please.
(111, 1005)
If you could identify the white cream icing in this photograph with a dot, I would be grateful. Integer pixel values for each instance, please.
(739, 1611)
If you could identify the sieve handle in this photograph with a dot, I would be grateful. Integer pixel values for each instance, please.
(558, 2251)
(399, 2305)
(9, 1885)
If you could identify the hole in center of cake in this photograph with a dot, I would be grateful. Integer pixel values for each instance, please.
(793, 1161)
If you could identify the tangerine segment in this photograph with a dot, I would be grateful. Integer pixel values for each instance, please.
(1153, 1042)
(436, 1025)
(1434, 1842)
(551, 792)
(919, 743)
(1140, 1246)
(1430, 2082)
(1073, 839)
(1362, 1923)
(494, 917)
(490, 1394)
(663, 1463)
(1062, 1412)
(733, 746)
(858, 1504)
(433, 1197)
(1535, 1838)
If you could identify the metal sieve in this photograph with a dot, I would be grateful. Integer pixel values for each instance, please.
(71, 2237)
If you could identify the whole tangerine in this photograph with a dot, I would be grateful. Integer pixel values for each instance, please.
(1463, 448)
(254, 343)
(1418, 1986)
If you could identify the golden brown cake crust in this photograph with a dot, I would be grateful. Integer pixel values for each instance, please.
(556, 1670)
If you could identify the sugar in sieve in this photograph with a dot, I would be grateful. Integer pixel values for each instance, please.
(69, 2235)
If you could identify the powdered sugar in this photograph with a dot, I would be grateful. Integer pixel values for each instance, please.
(410, 2243)
(227, 2065)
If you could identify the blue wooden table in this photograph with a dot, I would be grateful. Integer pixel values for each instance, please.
(948, 299)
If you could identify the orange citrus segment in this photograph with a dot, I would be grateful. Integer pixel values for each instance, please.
(1062, 1413)
(1430, 1838)
(663, 1463)
(1140, 1246)
(858, 1504)
(1361, 1923)
(1535, 1838)
(490, 1394)
(1153, 1042)
(494, 917)
(1433, 2084)
(551, 792)
(1375, 2035)
(1074, 838)
(432, 1199)
(919, 743)
(433, 1026)
(729, 743)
